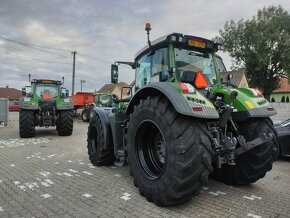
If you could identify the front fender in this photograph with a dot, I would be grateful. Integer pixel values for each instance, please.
(103, 114)
(183, 103)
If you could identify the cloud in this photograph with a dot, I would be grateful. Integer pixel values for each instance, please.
(36, 31)
(101, 32)
(10, 68)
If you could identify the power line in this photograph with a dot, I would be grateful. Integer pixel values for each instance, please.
(30, 46)
(98, 59)
(26, 58)
(88, 66)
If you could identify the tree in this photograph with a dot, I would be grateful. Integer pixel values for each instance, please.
(283, 99)
(262, 45)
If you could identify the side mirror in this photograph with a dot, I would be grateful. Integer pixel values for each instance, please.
(23, 91)
(66, 93)
(114, 73)
(163, 76)
(229, 77)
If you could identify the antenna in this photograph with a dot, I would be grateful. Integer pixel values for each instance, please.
(148, 28)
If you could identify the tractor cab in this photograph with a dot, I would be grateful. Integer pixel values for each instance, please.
(175, 57)
(46, 89)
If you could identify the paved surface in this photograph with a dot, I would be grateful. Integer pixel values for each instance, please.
(51, 176)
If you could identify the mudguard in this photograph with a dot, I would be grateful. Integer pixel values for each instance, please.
(183, 103)
(103, 114)
(28, 103)
(64, 104)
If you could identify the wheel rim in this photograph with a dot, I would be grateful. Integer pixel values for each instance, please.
(94, 140)
(151, 149)
(85, 117)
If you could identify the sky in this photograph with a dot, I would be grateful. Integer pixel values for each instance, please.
(101, 32)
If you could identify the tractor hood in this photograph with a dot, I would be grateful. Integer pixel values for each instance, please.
(249, 103)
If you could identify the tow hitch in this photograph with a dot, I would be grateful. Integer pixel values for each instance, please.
(245, 146)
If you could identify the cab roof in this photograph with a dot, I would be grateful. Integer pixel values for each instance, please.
(46, 81)
(186, 41)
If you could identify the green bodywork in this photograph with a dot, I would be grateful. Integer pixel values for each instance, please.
(195, 97)
(245, 100)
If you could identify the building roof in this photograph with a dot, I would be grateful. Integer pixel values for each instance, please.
(10, 93)
(284, 85)
(109, 88)
(237, 76)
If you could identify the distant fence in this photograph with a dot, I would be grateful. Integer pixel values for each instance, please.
(283, 110)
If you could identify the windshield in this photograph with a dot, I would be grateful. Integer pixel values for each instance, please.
(104, 99)
(46, 91)
(189, 63)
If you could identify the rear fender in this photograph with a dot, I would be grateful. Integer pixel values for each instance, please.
(64, 104)
(182, 103)
(28, 103)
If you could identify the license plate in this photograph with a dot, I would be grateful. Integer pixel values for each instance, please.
(196, 43)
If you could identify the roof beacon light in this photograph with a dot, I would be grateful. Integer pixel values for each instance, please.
(148, 28)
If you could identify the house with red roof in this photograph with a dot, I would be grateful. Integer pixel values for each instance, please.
(115, 89)
(282, 93)
(10, 93)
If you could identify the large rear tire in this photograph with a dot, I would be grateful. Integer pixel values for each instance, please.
(100, 148)
(26, 123)
(169, 154)
(255, 163)
(65, 123)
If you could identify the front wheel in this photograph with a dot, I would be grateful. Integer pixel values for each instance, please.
(65, 123)
(100, 143)
(169, 154)
(255, 163)
(85, 115)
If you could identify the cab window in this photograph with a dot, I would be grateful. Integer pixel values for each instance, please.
(189, 63)
(150, 66)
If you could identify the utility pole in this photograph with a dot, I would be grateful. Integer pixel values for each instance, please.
(74, 74)
(82, 81)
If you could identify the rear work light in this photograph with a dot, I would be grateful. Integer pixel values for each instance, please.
(256, 92)
(186, 88)
(270, 109)
(197, 109)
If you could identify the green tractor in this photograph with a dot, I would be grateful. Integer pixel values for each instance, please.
(183, 124)
(46, 106)
(101, 100)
